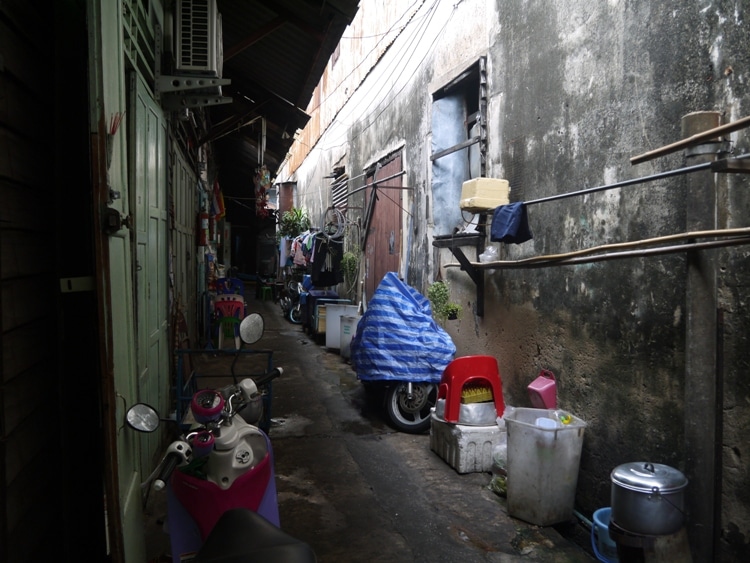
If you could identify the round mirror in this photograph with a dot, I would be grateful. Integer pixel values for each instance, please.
(143, 417)
(251, 328)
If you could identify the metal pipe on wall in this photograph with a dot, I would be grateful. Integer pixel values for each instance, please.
(700, 418)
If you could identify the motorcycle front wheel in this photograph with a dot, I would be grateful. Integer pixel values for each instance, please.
(295, 314)
(411, 413)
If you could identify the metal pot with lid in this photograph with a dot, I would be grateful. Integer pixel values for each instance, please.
(648, 498)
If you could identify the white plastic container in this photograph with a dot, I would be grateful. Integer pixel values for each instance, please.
(334, 313)
(348, 328)
(483, 194)
(542, 465)
(467, 449)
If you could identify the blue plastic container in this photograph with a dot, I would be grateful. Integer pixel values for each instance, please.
(604, 548)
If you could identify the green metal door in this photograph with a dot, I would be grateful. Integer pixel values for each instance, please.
(148, 192)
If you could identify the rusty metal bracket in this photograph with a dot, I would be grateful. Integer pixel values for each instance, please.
(454, 244)
(739, 165)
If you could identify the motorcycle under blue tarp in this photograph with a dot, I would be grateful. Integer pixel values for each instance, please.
(397, 338)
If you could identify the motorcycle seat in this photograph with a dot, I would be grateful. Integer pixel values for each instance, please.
(243, 536)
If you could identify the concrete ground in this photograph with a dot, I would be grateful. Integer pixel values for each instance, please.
(357, 490)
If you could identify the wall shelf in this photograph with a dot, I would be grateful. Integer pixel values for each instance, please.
(454, 243)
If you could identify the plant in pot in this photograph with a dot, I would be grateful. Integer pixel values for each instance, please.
(452, 311)
(442, 307)
(293, 222)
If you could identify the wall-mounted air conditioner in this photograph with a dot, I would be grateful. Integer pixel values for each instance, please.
(198, 41)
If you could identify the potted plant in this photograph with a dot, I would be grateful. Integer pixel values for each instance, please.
(442, 307)
(293, 222)
(452, 311)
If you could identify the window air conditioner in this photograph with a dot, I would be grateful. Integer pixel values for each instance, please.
(198, 41)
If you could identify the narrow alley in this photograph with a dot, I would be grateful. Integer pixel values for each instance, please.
(358, 491)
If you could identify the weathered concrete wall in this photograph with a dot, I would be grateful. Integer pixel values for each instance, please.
(575, 90)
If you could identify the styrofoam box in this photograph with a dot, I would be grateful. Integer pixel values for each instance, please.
(483, 194)
(467, 449)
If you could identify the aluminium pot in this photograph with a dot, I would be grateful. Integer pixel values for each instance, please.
(648, 498)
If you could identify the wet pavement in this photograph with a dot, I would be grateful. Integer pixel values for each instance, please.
(357, 490)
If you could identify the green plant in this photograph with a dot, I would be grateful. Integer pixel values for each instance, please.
(442, 307)
(452, 311)
(350, 269)
(293, 222)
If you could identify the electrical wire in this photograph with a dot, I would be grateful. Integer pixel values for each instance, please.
(366, 57)
(385, 96)
(407, 52)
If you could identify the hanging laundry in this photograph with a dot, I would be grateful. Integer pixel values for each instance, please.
(510, 224)
(326, 265)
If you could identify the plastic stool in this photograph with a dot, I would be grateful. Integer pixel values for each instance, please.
(229, 327)
(477, 370)
(230, 309)
(266, 293)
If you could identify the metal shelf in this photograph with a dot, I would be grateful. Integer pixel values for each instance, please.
(454, 243)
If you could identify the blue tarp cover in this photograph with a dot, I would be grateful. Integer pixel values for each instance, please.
(397, 338)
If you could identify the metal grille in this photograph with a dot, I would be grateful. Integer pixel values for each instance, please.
(340, 192)
(196, 35)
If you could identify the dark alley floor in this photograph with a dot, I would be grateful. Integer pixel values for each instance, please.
(357, 490)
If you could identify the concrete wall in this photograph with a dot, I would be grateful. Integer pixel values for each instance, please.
(576, 89)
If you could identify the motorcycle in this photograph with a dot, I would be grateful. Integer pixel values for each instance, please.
(222, 463)
(407, 404)
(290, 301)
(400, 352)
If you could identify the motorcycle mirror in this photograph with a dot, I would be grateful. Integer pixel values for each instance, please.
(142, 417)
(251, 328)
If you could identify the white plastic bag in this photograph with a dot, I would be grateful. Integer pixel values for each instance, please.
(490, 254)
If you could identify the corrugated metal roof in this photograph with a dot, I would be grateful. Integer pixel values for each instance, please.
(275, 52)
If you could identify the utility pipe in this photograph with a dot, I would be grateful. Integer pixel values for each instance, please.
(701, 304)
(733, 237)
(519, 264)
(693, 140)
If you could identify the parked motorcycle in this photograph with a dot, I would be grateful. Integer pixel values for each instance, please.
(290, 301)
(400, 351)
(407, 404)
(223, 462)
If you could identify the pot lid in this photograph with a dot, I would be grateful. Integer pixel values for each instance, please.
(646, 476)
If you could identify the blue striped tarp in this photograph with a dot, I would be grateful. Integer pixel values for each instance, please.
(397, 338)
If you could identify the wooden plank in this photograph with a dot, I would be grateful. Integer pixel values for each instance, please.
(22, 61)
(22, 395)
(19, 161)
(25, 254)
(25, 300)
(26, 442)
(25, 209)
(21, 112)
(21, 349)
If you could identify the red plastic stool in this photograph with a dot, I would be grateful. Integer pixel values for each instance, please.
(469, 369)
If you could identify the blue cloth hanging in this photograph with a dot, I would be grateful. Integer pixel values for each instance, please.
(510, 224)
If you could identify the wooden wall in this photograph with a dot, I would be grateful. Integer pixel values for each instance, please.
(28, 373)
(51, 503)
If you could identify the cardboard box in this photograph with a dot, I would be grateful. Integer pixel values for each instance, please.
(484, 194)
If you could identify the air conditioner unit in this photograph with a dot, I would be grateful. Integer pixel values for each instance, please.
(198, 41)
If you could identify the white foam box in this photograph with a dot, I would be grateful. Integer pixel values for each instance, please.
(467, 449)
(483, 194)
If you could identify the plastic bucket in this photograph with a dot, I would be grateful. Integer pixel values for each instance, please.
(543, 391)
(604, 548)
(543, 465)
(347, 330)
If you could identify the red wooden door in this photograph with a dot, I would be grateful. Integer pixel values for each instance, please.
(383, 242)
